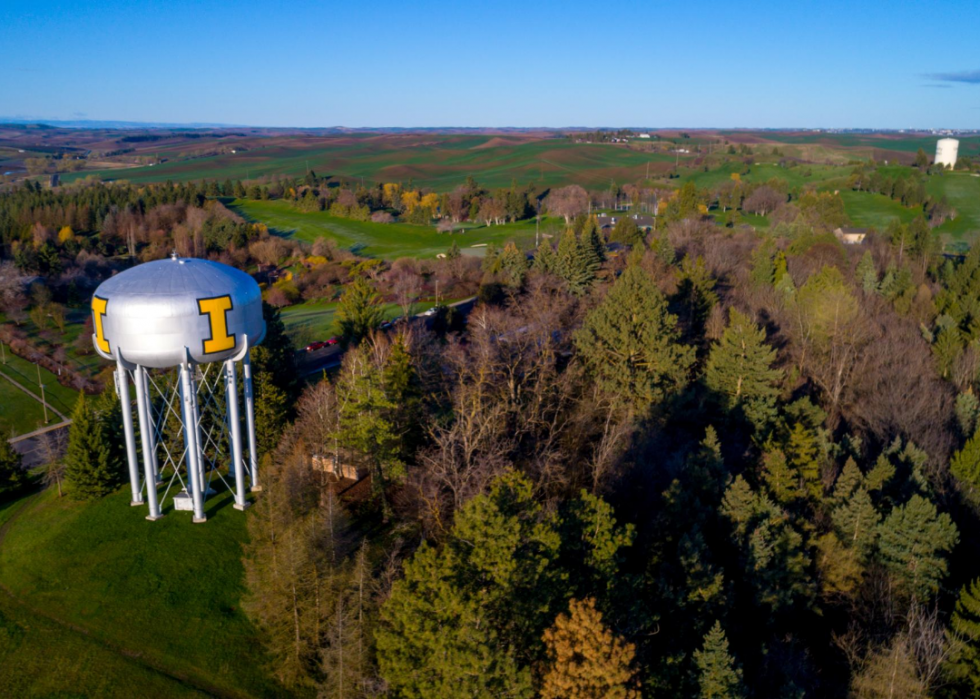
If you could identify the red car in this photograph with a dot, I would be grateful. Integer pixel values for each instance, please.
(332, 341)
(313, 346)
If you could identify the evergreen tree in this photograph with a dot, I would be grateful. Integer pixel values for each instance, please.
(271, 413)
(90, 470)
(586, 660)
(856, 523)
(630, 342)
(545, 259)
(512, 264)
(275, 355)
(802, 452)
(781, 480)
(967, 411)
(696, 291)
(763, 270)
(718, 675)
(663, 249)
(912, 541)
(867, 275)
(626, 232)
(592, 239)
(965, 466)
(575, 263)
(963, 665)
(12, 475)
(739, 369)
(360, 311)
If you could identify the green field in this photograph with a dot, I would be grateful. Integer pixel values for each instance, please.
(387, 240)
(314, 320)
(963, 193)
(169, 592)
(19, 413)
(25, 373)
(41, 658)
(866, 209)
(428, 160)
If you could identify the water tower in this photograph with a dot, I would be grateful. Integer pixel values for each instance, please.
(946, 152)
(176, 328)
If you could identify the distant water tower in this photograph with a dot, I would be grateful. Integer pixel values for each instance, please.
(946, 151)
(200, 318)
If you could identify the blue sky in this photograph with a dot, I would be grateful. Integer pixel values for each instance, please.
(697, 64)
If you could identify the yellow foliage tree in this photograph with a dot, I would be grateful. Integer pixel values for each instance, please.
(65, 234)
(410, 200)
(586, 659)
(391, 191)
(431, 202)
(736, 177)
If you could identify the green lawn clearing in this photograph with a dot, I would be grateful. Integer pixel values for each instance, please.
(168, 591)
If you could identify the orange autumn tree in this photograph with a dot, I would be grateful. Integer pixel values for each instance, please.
(586, 659)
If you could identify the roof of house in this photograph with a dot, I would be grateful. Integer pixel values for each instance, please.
(641, 221)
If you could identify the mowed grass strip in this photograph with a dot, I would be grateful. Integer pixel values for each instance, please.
(168, 590)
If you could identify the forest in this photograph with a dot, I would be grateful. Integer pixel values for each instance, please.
(699, 460)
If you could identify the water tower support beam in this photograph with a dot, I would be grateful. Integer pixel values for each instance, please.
(235, 434)
(122, 378)
(153, 427)
(146, 434)
(188, 398)
(250, 419)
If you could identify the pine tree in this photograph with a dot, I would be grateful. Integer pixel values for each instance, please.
(575, 263)
(740, 370)
(545, 259)
(663, 249)
(90, 470)
(763, 270)
(696, 291)
(12, 475)
(912, 541)
(963, 665)
(867, 274)
(856, 522)
(271, 413)
(512, 264)
(586, 660)
(592, 239)
(360, 311)
(782, 481)
(466, 612)
(967, 411)
(630, 342)
(965, 466)
(718, 675)
(801, 451)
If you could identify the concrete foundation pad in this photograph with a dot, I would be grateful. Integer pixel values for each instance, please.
(136, 503)
(154, 519)
(242, 508)
(255, 489)
(199, 520)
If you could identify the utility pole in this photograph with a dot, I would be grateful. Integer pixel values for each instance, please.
(44, 403)
(3, 355)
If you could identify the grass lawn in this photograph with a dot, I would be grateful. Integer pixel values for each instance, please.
(25, 373)
(867, 209)
(962, 191)
(41, 658)
(19, 413)
(168, 590)
(387, 240)
(314, 320)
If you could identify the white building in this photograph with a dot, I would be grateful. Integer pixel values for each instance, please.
(946, 151)
(644, 135)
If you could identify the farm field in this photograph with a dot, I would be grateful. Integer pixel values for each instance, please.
(170, 590)
(387, 240)
(428, 160)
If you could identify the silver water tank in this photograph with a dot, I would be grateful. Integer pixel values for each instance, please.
(150, 313)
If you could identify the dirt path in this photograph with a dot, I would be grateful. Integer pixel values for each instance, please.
(133, 656)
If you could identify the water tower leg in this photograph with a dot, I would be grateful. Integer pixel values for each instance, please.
(146, 435)
(188, 398)
(235, 433)
(253, 461)
(149, 414)
(127, 417)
